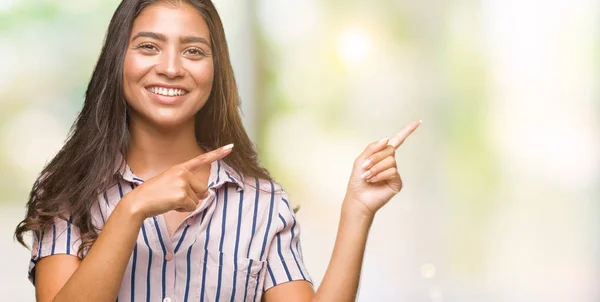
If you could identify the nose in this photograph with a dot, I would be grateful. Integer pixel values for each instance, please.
(170, 64)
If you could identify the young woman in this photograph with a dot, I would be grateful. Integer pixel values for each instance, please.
(145, 203)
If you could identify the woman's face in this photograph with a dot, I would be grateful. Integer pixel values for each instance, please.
(168, 69)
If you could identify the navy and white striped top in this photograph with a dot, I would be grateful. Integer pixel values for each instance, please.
(243, 240)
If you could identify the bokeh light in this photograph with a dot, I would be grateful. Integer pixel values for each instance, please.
(354, 46)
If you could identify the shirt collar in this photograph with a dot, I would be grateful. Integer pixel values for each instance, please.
(220, 173)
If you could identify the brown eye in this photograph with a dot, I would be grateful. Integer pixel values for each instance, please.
(196, 52)
(146, 46)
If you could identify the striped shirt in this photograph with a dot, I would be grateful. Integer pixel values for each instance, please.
(240, 242)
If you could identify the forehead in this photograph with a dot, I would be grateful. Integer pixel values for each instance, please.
(181, 19)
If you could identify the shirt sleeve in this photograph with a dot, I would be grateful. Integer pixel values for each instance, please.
(284, 260)
(60, 238)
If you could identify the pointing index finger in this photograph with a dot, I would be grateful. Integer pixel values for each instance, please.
(399, 138)
(194, 164)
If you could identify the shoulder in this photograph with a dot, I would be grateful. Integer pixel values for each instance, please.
(263, 186)
(268, 194)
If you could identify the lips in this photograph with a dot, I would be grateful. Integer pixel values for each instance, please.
(166, 91)
(166, 94)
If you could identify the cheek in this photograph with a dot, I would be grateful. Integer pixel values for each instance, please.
(133, 69)
(203, 75)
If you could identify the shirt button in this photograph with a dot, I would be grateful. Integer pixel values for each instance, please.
(190, 220)
(167, 299)
(168, 257)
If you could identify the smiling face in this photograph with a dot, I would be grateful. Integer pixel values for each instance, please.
(168, 68)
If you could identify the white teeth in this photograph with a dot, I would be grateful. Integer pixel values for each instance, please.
(166, 91)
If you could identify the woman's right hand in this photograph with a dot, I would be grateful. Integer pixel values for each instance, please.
(177, 188)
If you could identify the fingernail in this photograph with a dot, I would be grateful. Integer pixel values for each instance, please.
(371, 179)
(366, 175)
(420, 121)
(366, 164)
(384, 139)
(228, 147)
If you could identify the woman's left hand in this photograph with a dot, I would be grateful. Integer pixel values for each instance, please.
(375, 178)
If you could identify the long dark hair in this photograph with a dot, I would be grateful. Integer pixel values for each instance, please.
(85, 166)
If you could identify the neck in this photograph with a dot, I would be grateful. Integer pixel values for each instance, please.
(151, 151)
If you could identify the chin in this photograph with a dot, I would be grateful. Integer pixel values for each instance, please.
(169, 121)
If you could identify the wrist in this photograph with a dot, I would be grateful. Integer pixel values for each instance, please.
(131, 208)
(356, 210)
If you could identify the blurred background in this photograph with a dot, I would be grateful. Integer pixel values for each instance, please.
(502, 180)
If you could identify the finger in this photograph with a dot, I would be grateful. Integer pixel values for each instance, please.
(193, 196)
(373, 148)
(197, 185)
(399, 138)
(203, 196)
(389, 150)
(194, 164)
(187, 206)
(386, 163)
(389, 174)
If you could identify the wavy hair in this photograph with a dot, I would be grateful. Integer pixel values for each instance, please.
(85, 166)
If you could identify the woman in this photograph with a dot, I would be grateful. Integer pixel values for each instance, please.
(142, 203)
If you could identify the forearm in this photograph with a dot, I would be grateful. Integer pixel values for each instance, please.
(343, 273)
(98, 277)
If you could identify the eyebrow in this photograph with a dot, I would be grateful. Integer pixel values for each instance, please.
(161, 37)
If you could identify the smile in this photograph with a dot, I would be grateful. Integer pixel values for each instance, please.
(167, 91)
